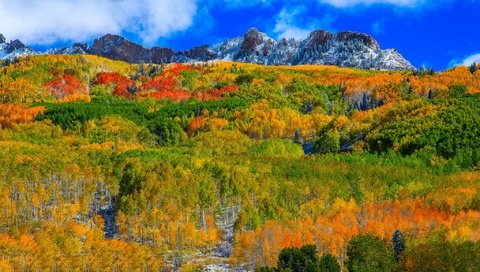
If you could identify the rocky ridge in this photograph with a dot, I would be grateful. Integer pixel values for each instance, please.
(13, 49)
(346, 49)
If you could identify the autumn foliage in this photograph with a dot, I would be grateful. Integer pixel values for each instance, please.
(282, 155)
(64, 86)
(11, 114)
(120, 83)
(332, 232)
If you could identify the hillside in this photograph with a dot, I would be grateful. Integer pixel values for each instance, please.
(110, 166)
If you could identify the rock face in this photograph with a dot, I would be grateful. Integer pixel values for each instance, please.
(13, 49)
(118, 48)
(347, 49)
(14, 45)
(255, 47)
(77, 48)
(200, 53)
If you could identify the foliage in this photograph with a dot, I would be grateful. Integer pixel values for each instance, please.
(444, 256)
(328, 142)
(164, 149)
(328, 263)
(450, 132)
(298, 259)
(369, 253)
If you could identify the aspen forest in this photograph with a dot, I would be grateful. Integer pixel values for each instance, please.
(110, 166)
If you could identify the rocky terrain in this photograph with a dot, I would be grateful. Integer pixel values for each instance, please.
(13, 49)
(346, 49)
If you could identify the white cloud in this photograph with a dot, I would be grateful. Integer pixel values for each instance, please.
(466, 61)
(47, 21)
(289, 25)
(349, 3)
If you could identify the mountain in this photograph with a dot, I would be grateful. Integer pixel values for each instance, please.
(77, 48)
(13, 49)
(118, 48)
(347, 49)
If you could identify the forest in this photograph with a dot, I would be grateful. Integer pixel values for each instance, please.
(109, 166)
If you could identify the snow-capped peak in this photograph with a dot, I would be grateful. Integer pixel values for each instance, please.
(13, 50)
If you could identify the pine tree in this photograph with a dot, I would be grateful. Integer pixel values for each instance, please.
(329, 263)
(398, 249)
(473, 67)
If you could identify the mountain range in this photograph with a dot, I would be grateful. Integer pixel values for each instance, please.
(346, 49)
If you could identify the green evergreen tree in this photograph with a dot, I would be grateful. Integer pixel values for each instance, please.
(298, 259)
(328, 263)
(473, 68)
(328, 142)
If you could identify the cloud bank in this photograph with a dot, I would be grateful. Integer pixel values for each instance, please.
(48, 21)
(350, 3)
(466, 61)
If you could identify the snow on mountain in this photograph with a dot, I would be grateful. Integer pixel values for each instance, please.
(77, 48)
(13, 50)
(347, 49)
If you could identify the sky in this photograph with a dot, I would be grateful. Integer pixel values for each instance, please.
(432, 33)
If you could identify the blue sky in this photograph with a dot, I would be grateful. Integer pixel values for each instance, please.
(434, 33)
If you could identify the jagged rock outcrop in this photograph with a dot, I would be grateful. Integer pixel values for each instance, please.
(13, 49)
(14, 45)
(255, 47)
(118, 48)
(200, 53)
(77, 48)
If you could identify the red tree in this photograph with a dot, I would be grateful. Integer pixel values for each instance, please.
(120, 82)
(65, 85)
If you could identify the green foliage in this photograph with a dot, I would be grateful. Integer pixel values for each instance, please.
(308, 97)
(328, 263)
(452, 132)
(276, 148)
(244, 79)
(78, 156)
(302, 259)
(189, 78)
(367, 253)
(168, 131)
(41, 133)
(265, 269)
(73, 116)
(438, 255)
(327, 142)
(131, 183)
(457, 91)
(115, 128)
